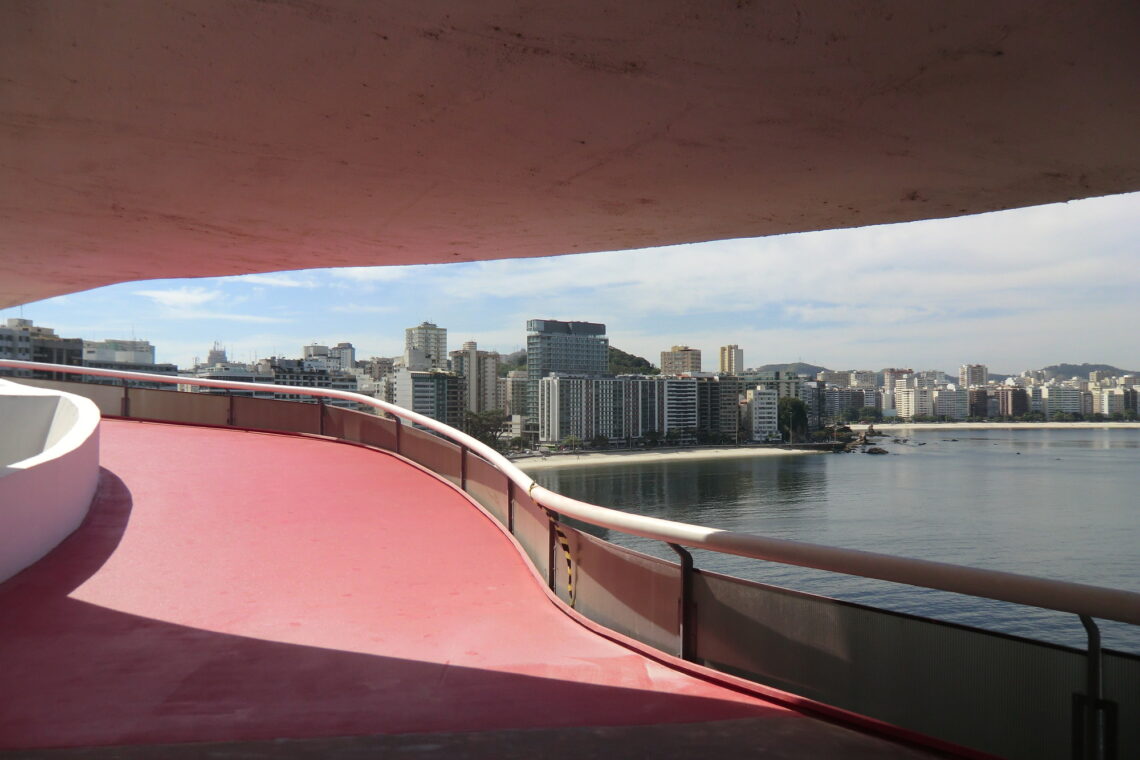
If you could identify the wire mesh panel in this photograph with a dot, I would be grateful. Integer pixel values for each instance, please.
(351, 425)
(174, 406)
(488, 486)
(532, 529)
(1122, 688)
(1000, 694)
(622, 589)
(269, 414)
(433, 452)
(109, 398)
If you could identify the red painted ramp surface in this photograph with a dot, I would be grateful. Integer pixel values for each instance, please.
(238, 586)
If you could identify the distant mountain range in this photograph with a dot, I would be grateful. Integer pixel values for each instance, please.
(1065, 371)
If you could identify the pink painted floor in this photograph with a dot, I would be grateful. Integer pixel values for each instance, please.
(236, 586)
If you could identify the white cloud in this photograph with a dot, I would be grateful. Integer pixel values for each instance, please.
(278, 280)
(372, 274)
(185, 303)
(181, 298)
(352, 308)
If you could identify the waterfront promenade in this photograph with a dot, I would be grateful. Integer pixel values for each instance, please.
(272, 594)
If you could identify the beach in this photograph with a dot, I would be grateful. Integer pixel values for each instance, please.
(894, 427)
(572, 459)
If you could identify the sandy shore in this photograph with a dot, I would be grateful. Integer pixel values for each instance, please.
(895, 426)
(659, 455)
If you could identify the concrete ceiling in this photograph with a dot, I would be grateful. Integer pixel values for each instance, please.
(158, 138)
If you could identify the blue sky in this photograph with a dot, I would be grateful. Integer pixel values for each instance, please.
(1015, 290)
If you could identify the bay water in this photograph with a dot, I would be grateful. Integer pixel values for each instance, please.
(1053, 503)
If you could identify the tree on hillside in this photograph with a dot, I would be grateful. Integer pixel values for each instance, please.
(793, 419)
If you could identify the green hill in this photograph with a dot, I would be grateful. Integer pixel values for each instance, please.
(622, 363)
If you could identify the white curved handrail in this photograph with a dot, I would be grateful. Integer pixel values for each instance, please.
(1064, 596)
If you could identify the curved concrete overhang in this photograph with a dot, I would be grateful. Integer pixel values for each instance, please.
(163, 138)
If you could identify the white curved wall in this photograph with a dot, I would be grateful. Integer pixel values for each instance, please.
(49, 469)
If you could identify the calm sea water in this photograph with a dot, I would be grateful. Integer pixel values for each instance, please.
(1061, 504)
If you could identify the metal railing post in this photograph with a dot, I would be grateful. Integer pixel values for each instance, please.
(399, 428)
(463, 467)
(510, 506)
(1094, 719)
(125, 402)
(230, 409)
(320, 415)
(687, 618)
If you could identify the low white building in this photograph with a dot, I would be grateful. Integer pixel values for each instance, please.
(763, 414)
(1061, 399)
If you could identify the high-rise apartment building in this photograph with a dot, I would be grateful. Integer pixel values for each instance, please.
(24, 341)
(929, 378)
(786, 384)
(831, 377)
(342, 356)
(139, 352)
(433, 393)
(731, 359)
(861, 379)
(579, 348)
(1060, 399)
(429, 339)
(972, 375)
(892, 376)
(838, 400)
(619, 408)
(512, 392)
(979, 402)
(680, 360)
(914, 402)
(952, 403)
(1012, 401)
(718, 406)
(479, 375)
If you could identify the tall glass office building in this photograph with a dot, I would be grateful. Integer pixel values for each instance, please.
(580, 348)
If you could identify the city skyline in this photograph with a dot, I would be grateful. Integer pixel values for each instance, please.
(1014, 290)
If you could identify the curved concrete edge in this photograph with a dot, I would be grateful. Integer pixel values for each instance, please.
(44, 497)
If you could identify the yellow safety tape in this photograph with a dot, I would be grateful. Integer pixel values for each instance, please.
(569, 564)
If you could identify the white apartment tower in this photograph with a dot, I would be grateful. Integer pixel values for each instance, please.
(479, 376)
(342, 356)
(731, 359)
(431, 340)
(763, 414)
(914, 402)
